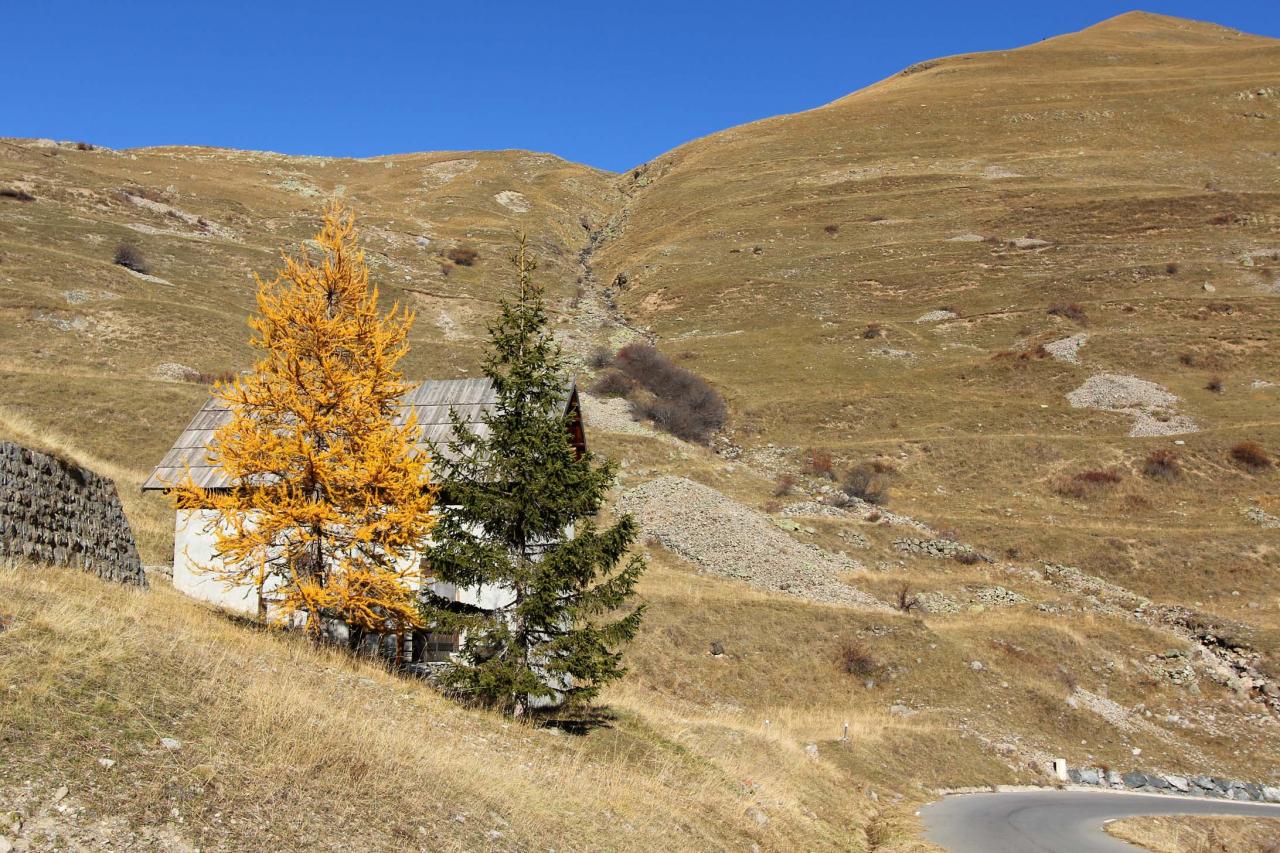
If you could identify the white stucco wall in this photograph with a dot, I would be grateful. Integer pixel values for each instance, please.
(193, 546)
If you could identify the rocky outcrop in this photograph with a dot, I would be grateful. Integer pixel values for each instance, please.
(52, 511)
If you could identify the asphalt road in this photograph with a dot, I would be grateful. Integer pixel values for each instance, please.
(1056, 821)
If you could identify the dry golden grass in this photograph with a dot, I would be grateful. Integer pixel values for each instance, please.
(1200, 834)
(286, 746)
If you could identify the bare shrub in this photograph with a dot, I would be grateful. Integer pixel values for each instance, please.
(967, 557)
(832, 229)
(906, 601)
(214, 377)
(16, 195)
(1162, 464)
(130, 256)
(1072, 311)
(868, 481)
(613, 383)
(1214, 384)
(784, 485)
(86, 146)
(1086, 484)
(463, 256)
(1250, 456)
(1171, 269)
(600, 357)
(818, 463)
(873, 330)
(679, 400)
(854, 658)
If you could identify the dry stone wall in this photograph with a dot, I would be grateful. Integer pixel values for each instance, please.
(52, 511)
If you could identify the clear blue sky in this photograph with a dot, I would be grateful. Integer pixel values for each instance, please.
(611, 84)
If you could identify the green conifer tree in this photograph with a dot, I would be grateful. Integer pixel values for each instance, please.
(518, 512)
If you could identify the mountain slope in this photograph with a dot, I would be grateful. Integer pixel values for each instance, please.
(926, 273)
(1132, 170)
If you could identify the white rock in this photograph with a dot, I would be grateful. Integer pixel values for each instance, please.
(170, 743)
(60, 794)
(107, 762)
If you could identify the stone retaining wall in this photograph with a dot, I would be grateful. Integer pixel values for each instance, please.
(52, 511)
(1169, 783)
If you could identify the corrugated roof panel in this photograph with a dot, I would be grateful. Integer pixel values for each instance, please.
(431, 400)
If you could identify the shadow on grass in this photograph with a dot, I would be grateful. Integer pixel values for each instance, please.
(582, 722)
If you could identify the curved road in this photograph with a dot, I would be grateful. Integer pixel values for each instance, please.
(1056, 821)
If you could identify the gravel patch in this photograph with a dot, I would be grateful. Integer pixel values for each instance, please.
(900, 354)
(1261, 518)
(1150, 405)
(613, 415)
(1067, 349)
(724, 537)
(172, 371)
(966, 238)
(512, 201)
(936, 316)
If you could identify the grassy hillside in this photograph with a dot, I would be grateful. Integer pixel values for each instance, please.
(1137, 162)
(282, 746)
(904, 275)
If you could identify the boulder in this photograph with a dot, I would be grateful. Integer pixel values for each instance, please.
(1270, 794)
(1089, 776)
(1134, 779)
(1179, 783)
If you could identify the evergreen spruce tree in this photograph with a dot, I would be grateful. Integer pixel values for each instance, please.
(518, 510)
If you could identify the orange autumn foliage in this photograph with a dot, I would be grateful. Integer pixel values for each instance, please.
(332, 502)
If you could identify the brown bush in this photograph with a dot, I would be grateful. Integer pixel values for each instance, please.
(130, 256)
(783, 485)
(873, 330)
(678, 401)
(1214, 384)
(1072, 311)
(1221, 219)
(868, 481)
(225, 377)
(16, 195)
(967, 557)
(854, 658)
(463, 256)
(1171, 269)
(1162, 464)
(818, 463)
(85, 146)
(1085, 484)
(832, 229)
(1250, 456)
(612, 383)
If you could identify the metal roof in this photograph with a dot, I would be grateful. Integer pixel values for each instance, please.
(431, 401)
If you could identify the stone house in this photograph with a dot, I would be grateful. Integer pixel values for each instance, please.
(194, 534)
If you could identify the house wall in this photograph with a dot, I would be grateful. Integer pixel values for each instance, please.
(194, 537)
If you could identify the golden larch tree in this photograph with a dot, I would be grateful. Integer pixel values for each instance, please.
(330, 500)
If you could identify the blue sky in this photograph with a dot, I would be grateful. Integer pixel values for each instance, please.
(611, 84)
